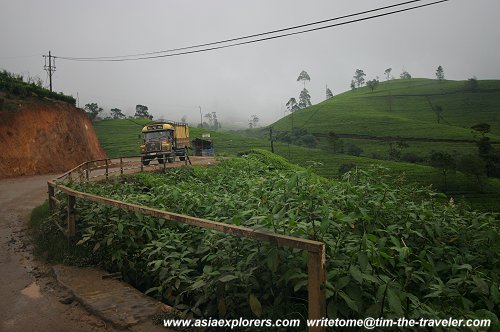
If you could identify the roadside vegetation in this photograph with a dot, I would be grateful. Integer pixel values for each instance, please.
(394, 249)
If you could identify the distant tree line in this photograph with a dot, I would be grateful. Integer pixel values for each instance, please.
(94, 112)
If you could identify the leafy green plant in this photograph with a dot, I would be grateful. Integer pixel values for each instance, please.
(393, 249)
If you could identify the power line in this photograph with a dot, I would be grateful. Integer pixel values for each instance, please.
(244, 37)
(129, 58)
(18, 56)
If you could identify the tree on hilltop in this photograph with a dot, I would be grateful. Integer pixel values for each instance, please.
(304, 99)
(92, 110)
(303, 77)
(387, 73)
(405, 75)
(141, 111)
(117, 113)
(329, 93)
(359, 77)
(292, 105)
(440, 73)
(372, 84)
(253, 121)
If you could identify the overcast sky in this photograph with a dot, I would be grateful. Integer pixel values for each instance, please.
(461, 35)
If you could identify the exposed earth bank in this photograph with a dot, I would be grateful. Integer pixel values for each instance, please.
(44, 136)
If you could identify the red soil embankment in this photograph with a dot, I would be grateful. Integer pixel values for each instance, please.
(43, 137)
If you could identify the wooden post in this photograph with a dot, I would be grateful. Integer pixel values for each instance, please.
(121, 166)
(71, 216)
(107, 168)
(52, 204)
(142, 165)
(316, 286)
(87, 171)
(164, 162)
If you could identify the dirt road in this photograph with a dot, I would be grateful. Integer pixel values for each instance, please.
(30, 297)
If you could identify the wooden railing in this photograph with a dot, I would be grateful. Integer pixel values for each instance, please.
(107, 167)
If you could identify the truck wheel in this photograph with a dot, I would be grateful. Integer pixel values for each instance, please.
(145, 161)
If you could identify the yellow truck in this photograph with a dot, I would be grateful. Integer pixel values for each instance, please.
(164, 141)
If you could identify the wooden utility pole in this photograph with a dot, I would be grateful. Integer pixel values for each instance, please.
(50, 67)
(271, 138)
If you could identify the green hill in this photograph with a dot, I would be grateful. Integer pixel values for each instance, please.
(404, 108)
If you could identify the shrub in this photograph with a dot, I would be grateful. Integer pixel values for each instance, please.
(353, 149)
(411, 157)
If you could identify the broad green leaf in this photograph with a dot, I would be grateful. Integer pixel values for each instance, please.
(227, 278)
(350, 303)
(255, 305)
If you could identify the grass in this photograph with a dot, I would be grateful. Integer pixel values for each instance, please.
(51, 245)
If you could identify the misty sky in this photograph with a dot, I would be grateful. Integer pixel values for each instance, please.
(461, 35)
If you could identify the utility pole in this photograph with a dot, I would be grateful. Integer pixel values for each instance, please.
(201, 118)
(50, 67)
(271, 138)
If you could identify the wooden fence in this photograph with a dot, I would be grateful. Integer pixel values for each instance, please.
(92, 170)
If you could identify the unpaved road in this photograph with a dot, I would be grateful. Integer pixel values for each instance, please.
(29, 296)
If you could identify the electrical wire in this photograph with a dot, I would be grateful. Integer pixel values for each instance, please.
(124, 58)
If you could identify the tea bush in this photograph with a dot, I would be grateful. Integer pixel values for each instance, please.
(393, 249)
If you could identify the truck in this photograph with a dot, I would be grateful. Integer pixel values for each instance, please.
(164, 141)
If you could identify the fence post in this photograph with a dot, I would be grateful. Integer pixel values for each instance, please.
(316, 286)
(87, 171)
(107, 169)
(52, 204)
(71, 216)
(121, 166)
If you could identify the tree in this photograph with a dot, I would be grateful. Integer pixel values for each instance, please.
(213, 122)
(485, 149)
(359, 77)
(329, 93)
(303, 77)
(387, 73)
(471, 84)
(473, 165)
(141, 111)
(440, 73)
(335, 143)
(304, 99)
(184, 119)
(117, 113)
(439, 113)
(353, 85)
(292, 105)
(395, 148)
(92, 110)
(253, 122)
(405, 75)
(443, 161)
(372, 84)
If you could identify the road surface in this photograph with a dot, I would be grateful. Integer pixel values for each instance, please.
(31, 300)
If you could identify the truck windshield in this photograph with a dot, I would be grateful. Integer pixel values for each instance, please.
(155, 135)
